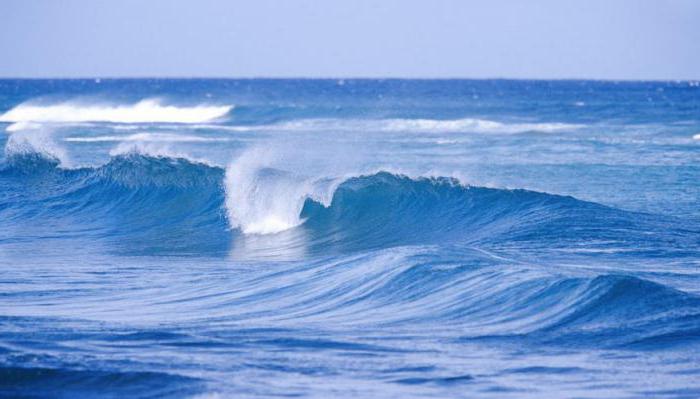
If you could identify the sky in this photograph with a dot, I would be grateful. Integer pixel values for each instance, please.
(541, 39)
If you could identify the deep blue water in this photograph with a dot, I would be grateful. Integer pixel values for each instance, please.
(349, 238)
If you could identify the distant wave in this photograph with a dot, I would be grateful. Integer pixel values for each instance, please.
(145, 111)
(463, 125)
(148, 137)
(422, 125)
(20, 126)
(696, 137)
(148, 111)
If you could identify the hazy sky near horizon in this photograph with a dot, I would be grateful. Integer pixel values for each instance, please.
(600, 39)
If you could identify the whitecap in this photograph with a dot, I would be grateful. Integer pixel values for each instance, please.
(145, 111)
(264, 200)
(464, 125)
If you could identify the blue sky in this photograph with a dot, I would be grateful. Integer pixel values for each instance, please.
(612, 39)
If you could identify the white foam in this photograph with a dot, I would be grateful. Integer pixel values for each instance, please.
(465, 125)
(260, 200)
(696, 137)
(425, 125)
(18, 126)
(266, 188)
(472, 125)
(35, 140)
(445, 142)
(145, 111)
(126, 127)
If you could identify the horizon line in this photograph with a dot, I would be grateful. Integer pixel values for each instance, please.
(262, 77)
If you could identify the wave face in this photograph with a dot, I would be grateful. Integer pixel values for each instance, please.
(354, 238)
(146, 199)
(139, 199)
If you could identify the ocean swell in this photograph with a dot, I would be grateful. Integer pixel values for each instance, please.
(157, 198)
(372, 251)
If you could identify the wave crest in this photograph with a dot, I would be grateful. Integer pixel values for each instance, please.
(264, 200)
(159, 196)
(35, 142)
(469, 125)
(145, 111)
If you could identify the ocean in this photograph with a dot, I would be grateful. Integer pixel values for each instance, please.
(216, 238)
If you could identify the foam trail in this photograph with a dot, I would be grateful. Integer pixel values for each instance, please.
(144, 111)
(473, 125)
(464, 125)
(696, 137)
(421, 126)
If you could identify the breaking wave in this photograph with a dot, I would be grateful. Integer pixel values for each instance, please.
(424, 125)
(145, 111)
(159, 197)
(379, 249)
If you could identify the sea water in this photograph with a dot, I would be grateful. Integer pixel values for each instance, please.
(349, 238)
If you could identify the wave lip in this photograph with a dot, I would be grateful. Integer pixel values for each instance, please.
(264, 200)
(145, 111)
